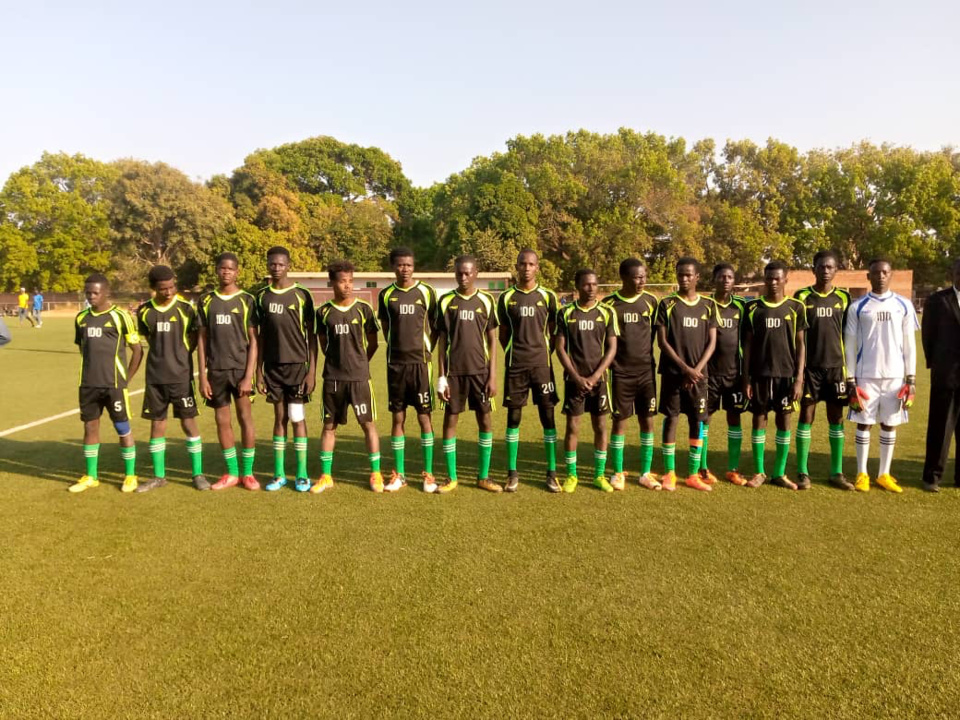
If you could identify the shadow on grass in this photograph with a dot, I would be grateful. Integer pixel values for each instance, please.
(38, 350)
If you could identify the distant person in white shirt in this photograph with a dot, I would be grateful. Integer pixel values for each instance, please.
(881, 354)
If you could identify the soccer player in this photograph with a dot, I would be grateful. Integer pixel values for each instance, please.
(586, 345)
(286, 362)
(467, 338)
(773, 362)
(633, 384)
(825, 372)
(407, 311)
(724, 374)
(227, 356)
(169, 325)
(104, 332)
(527, 314)
(347, 329)
(687, 333)
(881, 350)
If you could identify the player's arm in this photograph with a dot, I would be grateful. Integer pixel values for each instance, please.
(491, 388)
(610, 352)
(554, 312)
(253, 351)
(800, 358)
(443, 388)
(503, 321)
(205, 388)
(261, 384)
(851, 342)
(909, 389)
(373, 343)
(746, 343)
(690, 374)
(383, 315)
(708, 351)
(310, 317)
(322, 339)
(568, 367)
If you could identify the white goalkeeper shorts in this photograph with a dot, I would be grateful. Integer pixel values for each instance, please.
(882, 404)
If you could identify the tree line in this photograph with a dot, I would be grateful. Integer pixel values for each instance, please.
(579, 199)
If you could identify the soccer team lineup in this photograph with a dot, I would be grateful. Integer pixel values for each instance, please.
(776, 353)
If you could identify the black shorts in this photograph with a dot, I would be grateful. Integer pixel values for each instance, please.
(676, 400)
(466, 389)
(539, 380)
(286, 383)
(410, 386)
(224, 386)
(631, 396)
(824, 385)
(725, 391)
(340, 395)
(157, 398)
(772, 395)
(93, 400)
(595, 402)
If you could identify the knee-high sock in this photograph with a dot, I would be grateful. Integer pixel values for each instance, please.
(646, 452)
(734, 443)
(513, 444)
(863, 450)
(803, 448)
(783, 450)
(705, 436)
(616, 452)
(837, 439)
(759, 444)
(398, 443)
(486, 449)
(888, 440)
(550, 448)
(91, 454)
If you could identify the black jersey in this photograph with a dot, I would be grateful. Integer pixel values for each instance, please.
(465, 321)
(688, 329)
(408, 316)
(528, 315)
(346, 328)
(170, 332)
(635, 318)
(103, 339)
(726, 358)
(286, 320)
(227, 319)
(585, 331)
(826, 315)
(774, 343)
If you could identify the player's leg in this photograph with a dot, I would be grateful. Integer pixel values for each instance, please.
(191, 430)
(372, 440)
(866, 416)
(668, 449)
(647, 438)
(248, 440)
(734, 445)
(158, 454)
(450, 420)
(91, 447)
(225, 437)
(516, 388)
(364, 404)
(888, 441)
(90, 411)
(758, 436)
(279, 443)
(808, 411)
(426, 447)
(570, 441)
(837, 441)
(694, 451)
(485, 427)
(862, 482)
(298, 419)
(618, 433)
(545, 397)
(328, 440)
(780, 479)
(398, 443)
(600, 442)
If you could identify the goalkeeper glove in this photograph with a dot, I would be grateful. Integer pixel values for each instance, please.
(855, 395)
(908, 392)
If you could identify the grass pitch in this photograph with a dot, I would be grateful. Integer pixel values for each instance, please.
(180, 604)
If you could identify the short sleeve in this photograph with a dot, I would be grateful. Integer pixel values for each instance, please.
(660, 314)
(141, 320)
(382, 306)
(370, 324)
(77, 337)
(502, 309)
(714, 315)
(493, 321)
(802, 323)
(130, 329)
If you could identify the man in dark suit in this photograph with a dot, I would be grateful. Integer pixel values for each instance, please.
(941, 345)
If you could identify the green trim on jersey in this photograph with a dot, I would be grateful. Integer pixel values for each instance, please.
(427, 294)
(505, 299)
(845, 300)
(488, 302)
(121, 318)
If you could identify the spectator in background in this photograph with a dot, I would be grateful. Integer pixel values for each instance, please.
(37, 307)
(23, 300)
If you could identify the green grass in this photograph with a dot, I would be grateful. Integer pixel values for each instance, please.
(181, 604)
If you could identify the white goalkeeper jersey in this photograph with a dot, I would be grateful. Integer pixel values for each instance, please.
(880, 337)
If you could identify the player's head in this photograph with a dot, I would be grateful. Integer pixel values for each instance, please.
(585, 280)
(96, 288)
(879, 273)
(825, 265)
(163, 282)
(633, 275)
(465, 270)
(774, 279)
(23, 289)
(688, 273)
(341, 279)
(955, 273)
(401, 262)
(227, 266)
(278, 263)
(724, 277)
(528, 265)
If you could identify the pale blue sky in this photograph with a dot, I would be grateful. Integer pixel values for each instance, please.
(202, 84)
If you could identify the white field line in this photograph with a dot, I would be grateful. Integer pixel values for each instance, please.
(44, 421)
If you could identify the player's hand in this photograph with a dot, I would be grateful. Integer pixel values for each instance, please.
(261, 385)
(246, 387)
(309, 385)
(797, 390)
(490, 388)
(856, 396)
(747, 389)
(907, 394)
(443, 388)
(583, 384)
(205, 388)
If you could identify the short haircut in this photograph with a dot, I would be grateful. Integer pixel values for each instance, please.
(97, 279)
(400, 252)
(582, 273)
(823, 254)
(775, 265)
(527, 251)
(278, 250)
(874, 261)
(461, 259)
(227, 256)
(159, 274)
(629, 264)
(686, 260)
(339, 266)
(720, 267)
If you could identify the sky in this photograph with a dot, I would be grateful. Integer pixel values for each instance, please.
(200, 85)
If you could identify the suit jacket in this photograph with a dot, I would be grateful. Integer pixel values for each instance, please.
(940, 333)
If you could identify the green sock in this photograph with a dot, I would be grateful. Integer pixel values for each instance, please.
(513, 444)
(571, 458)
(195, 451)
(599, 463)
(837, 438)
(669, 451)
(486, 449)
(803, 448)
(734, 442)
(279, 450)
(616, 452)
(398, 443)
(450, 455)
(426, 440)
(550, 448)
(300, 447)
(783, 449)
(646, 452)
(705, 436)
(230, 458)
(158, 453)
(129, 455)
(693, 456)
(374, 462)
(91, 453)
(759, 440)
(247, 456)
(326, 462)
